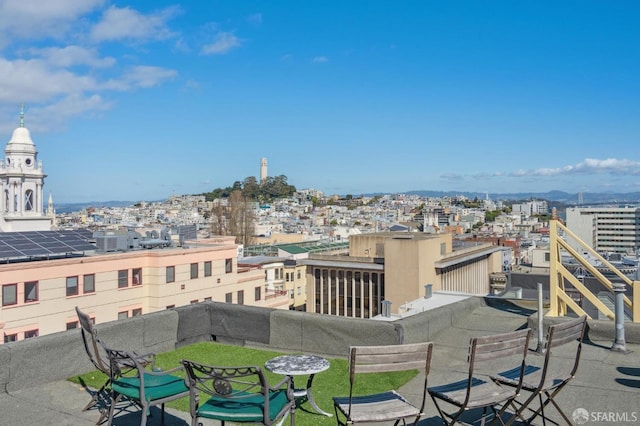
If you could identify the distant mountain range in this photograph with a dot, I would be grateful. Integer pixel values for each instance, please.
(76, 207)
(556, 196)
(588, 198)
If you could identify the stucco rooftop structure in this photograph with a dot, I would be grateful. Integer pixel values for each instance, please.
(395, 267)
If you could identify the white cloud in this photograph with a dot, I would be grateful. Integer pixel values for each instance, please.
(73, 55)
(148, 76)
(451, 176)
(126, 23)
(588, 166)
(320, 59)
(255, 19)
(35, 18)
(141, 76)
(222, 43)
(34, 80)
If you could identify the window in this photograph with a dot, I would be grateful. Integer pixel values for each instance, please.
(89, 283)
(31, 291)
(171, 306)
(298, 274)
(136, 276)
(207, 269)
(228, 266)
(123, 278)
(299, 290)
(10, 338)
(277, 274)
(547, 257)
(71, 325)
(194, 271)
(240, 297)
(28, 199)
(194, 301)
(228, 298)
(207, 299)
(30, 333)
(123, 314)
(72, 286)
(287, 275)
(171, 274)
(136, 312)
(258, 292)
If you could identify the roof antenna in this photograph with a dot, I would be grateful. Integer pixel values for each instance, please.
(22, 115)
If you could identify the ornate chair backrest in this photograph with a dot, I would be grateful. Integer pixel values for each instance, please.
(235, 384)
(92, 343)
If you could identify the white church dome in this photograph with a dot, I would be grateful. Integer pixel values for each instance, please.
(20, 142)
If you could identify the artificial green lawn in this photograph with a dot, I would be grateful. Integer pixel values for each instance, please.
(333, 382)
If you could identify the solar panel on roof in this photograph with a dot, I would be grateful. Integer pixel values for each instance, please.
(35, 252)
(8, 253)
(44, 243)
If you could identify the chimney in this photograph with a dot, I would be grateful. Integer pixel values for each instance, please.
(428, 291)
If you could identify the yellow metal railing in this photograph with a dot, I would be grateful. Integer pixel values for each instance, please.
(560, 300)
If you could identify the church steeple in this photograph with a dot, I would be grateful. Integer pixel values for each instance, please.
(21, 184)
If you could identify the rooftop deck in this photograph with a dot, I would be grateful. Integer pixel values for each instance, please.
(607, 384)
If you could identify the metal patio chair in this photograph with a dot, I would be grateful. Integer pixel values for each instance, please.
(549, 379)
(238, 395)
(389, 405)
(97, 354)
(478, 390)
(131, 377)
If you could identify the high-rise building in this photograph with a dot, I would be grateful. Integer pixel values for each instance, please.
(606, 229)
(22, 179)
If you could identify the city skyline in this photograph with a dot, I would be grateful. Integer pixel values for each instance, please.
(139, 101)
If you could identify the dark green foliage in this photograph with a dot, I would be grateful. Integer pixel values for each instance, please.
(271, 188)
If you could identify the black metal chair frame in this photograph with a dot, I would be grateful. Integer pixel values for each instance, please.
(127, 364)
(97, 354)
(235, 385)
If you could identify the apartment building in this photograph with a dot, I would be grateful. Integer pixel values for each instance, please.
(39, 297)
(606, 229)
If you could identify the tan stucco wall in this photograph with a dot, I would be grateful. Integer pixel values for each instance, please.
(54, 309)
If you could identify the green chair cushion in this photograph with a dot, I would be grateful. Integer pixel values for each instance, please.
(155, 386)
(248, 408)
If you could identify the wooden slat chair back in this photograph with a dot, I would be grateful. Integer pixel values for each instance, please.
(389, 405)
(237, 394)
(478, 390)
(549, 379)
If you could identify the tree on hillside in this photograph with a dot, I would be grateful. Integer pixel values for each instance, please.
(235, 217)
(270, 189)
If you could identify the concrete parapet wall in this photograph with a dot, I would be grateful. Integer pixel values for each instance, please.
(325, 334)
(423, 326)
(597, 330)
(58, 356)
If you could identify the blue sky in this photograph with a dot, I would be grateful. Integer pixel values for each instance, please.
(139, 100)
